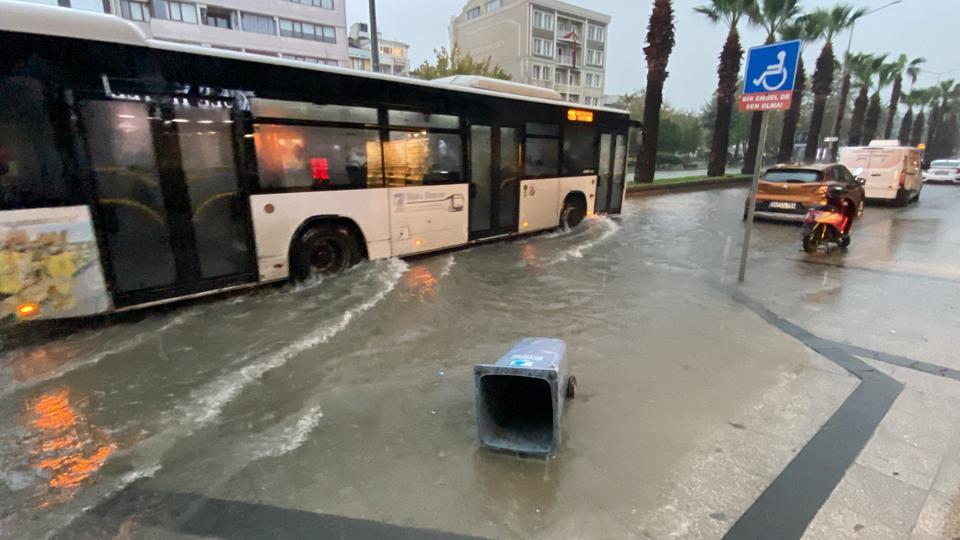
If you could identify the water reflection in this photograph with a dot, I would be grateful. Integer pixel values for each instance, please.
(65, 446)
(421, 282)
(529, 255)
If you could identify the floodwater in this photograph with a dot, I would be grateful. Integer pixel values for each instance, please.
(347, 404)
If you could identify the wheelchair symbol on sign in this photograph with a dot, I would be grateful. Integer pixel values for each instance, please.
(775, 70)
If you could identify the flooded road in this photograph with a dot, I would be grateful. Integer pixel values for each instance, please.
(346, 405)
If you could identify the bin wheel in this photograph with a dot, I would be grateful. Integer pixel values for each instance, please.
(571, 387)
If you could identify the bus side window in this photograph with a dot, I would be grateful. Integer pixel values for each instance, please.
(307, 157)
(579, 150)
(542, 151)
(31, 171)
(413, 158)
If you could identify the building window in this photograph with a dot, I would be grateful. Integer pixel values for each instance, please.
(543, 47)
(181, 11)
(541, 73)
(573, 98)
(594, 57)
(386, 50)
(302, 30)
(542, 20)
(494, 5)
(594, 80)
(595, 33)
(135, 11)
(259, 24)
(473, 13)
(325, 4)
(218, 17)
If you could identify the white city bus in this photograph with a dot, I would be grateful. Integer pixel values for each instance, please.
(136, 171)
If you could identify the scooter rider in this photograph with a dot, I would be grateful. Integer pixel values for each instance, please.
(838, 201)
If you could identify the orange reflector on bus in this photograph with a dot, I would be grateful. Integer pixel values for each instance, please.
(27, 310)
(526, 224)
(418, 242)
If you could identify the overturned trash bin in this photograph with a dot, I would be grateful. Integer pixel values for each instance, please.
(520, 398)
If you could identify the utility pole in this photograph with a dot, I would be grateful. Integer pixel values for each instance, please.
(374, 38)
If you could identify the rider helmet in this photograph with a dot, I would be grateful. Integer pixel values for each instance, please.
(835, 192)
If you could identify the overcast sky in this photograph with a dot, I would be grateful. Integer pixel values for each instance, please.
(927, 28)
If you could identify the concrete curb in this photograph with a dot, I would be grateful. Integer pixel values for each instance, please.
(712, 183)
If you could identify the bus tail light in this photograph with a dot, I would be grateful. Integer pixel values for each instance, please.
(903, 177)
(27, 310)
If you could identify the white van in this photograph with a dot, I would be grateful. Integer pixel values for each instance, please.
(893, 172)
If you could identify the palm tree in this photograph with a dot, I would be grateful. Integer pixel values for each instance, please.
(660, 41)
(844, 92)
(909, 99)
(885, 74)
(832, 21)
(922, 98)
(939, 140)
(728, 12)
(901, 65)
(806, 29)
(770, 15)
(864, 67)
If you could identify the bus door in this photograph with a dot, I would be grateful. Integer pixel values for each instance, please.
(611, 173)
(168, 200)
(494, 180)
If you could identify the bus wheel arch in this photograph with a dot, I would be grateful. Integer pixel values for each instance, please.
(325, 245)
(574, 209)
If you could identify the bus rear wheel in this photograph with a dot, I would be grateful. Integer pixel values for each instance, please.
(572, 214)
(322, 250)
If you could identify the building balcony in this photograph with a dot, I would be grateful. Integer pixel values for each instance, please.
(569, 61)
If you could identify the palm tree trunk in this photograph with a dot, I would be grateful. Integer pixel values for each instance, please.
(872, 122)
(660, 41)
(841, 111)
(792, 118)
(859, 112)
(894, 103)
(904, 135)
(917, 134)
(934, 127)
(822, 84)
(727, 74)
(750, 156)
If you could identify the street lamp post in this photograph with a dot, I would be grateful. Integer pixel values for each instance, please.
(835, 143)
(374, 38)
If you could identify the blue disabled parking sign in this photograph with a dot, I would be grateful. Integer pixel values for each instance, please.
(771, 74)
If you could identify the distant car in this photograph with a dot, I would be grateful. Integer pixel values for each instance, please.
(787, 191)
(943, 170)
(892, 171)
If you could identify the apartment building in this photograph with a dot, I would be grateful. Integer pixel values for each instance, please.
(540, 42)
(308, 30)
(393, 57)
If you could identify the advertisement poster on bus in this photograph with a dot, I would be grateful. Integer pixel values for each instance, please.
(49, 265)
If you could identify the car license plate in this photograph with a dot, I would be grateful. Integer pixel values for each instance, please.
(783, 205)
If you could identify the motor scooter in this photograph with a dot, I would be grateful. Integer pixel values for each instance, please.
(830, 223)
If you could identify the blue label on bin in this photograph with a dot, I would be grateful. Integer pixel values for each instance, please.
(519, 362)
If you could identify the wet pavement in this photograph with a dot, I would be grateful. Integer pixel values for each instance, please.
(345, 407)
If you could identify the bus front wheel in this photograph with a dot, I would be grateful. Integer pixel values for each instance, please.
(323, 249)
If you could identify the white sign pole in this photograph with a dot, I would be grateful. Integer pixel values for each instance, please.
(752, 200)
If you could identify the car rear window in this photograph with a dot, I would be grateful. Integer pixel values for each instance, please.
(945, 164)
(791, 175)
